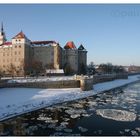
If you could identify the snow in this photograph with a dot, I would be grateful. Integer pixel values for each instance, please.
(40, 79)
(55, 71)
(100, 87)
(16, 101)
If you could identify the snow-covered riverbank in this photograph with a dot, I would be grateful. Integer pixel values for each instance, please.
(100, 87)
(15, 101)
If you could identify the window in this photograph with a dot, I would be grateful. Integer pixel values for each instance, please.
(15, 46)
(4, 66)
(19, 40)
(15, 52)
(19, 46)
(3, 54)
(15, 59)
(3, 60)
(7, 60)
(7, 54)
(19, 53)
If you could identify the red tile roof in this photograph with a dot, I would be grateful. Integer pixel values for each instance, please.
(20, 35)
(70, 45)
(7, 43)
(42, 42)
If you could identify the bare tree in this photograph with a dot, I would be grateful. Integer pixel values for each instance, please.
(36, 67)
(11, 70)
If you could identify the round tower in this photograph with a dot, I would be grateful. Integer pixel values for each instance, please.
(82, 60)
(71, 57)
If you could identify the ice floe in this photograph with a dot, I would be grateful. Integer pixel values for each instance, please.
(118, 115)
(82, 129)
(134, 133)
(68, 130)
(86, 115)
(74, 116)
(51, 125)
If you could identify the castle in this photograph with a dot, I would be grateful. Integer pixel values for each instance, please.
(21, 55)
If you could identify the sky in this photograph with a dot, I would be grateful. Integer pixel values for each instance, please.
(109, 32)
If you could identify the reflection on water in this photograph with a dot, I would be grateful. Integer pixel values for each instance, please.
(113, 113)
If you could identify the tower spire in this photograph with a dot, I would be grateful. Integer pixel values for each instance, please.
(2, 30)
(2, 27)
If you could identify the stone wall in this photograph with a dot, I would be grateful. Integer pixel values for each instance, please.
(108, 77)
(84, 82)
(48, 84)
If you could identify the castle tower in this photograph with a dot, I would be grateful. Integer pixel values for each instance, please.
(71, 57)
(82, 60)
(21, 44)
(2, 35)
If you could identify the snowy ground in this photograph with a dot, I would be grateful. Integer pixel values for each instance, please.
(15, 101)
(100, 87)
(39, 79)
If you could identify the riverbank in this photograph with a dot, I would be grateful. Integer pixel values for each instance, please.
(16, 101)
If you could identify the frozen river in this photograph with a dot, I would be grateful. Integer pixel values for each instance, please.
(114, 113)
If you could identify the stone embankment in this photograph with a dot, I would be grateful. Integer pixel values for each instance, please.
(83, 82)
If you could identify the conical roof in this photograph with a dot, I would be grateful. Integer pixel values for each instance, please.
(20, 35)
(70, 45)
(81, 47)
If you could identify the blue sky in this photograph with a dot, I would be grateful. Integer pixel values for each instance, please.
(110, 33)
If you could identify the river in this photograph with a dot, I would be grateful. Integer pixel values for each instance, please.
(113, 113)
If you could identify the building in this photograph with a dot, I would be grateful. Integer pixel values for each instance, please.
(22, 56)
(75, 60)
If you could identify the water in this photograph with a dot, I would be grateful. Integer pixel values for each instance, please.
(114, 113)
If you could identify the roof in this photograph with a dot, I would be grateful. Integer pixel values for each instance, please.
(20, 35)
(42, 42)
(81, 47)
(7, 43)
(70, 45)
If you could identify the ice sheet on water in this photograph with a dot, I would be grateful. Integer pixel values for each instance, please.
(61, 127)
(64, 123)
(86, 115)
(92, 103)
(68, 130)
(117, 115)
(122, 132)
(138, 129)
(51, 125)
(127, 130)
(57, 134)
(76, 105)
(66, 119)
(75, 111)
(74, 116)
(46, 119)
(30, 129)
(82, 129)
(134, 133)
